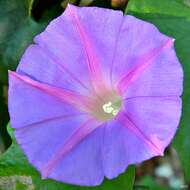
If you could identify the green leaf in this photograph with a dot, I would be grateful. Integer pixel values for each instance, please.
(179, 28)
(15, 171)
(164, 7)
(11, 132)
(148, 183)
(17, 31)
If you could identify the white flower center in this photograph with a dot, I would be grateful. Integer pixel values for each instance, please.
(109, 108)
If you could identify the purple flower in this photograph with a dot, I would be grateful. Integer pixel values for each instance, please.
(96, 92)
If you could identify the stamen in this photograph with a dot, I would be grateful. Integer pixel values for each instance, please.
(115, 112)
(108, 108)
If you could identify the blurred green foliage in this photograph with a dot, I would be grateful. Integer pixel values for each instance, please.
(148, 183)
(20, 21)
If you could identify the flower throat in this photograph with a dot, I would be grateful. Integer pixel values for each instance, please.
(106, 106)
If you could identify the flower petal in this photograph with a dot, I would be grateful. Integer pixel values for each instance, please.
(74, 139)
(91, 33)
(164, 77)
(104, 36)
(157, 117)
(80, 165)
(92, 61)
(31, 101)
(139, 39)
(83, 165)
(53, 132)
(39, 64)
(66, 38)
(143, 130)
(122, 147)
(145, 62)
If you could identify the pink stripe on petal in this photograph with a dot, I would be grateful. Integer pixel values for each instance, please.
(78, 135)
(79, 101)
(124, 119)
(94, 66)
(145, 61)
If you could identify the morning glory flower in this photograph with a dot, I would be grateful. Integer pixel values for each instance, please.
(98, 91)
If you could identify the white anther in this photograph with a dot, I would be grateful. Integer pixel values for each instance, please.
(115, 112)
(109, 109)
